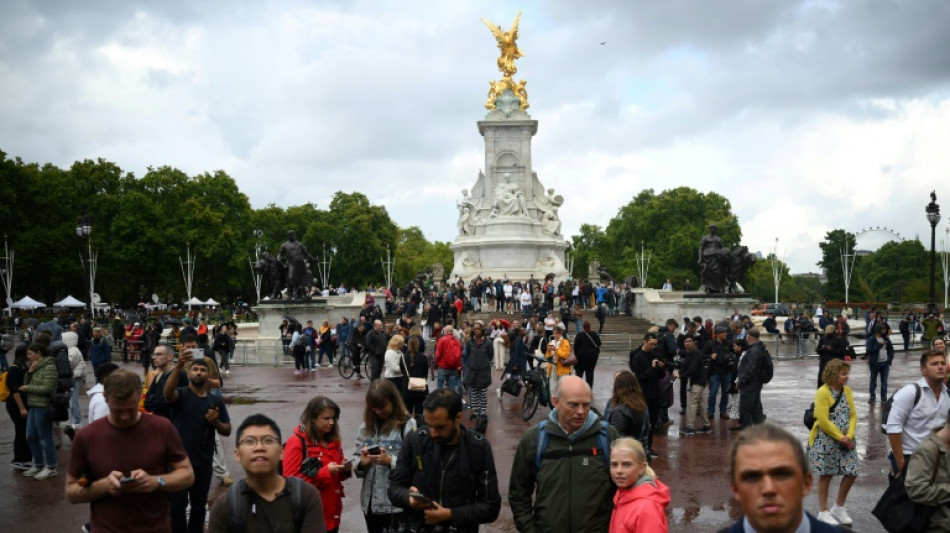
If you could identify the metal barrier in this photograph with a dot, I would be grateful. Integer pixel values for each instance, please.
(805, 345)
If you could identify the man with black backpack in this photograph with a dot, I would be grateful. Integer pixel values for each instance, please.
(265, 500)
(445, 473)
(755, 370)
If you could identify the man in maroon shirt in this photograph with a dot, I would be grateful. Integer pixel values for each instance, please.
(118, 462)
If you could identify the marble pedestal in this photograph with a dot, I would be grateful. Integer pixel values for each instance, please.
(331, 308)
(657, 306)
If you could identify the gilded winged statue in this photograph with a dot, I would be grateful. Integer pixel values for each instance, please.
(508, 46)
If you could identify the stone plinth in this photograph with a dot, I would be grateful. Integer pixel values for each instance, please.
(657, 306)
(331, 308)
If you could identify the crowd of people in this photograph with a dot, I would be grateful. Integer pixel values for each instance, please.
(420, 468)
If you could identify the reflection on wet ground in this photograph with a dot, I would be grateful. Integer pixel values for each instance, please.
(694, 468)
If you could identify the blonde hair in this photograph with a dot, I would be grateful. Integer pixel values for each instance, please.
(395, 343)
(633, 446)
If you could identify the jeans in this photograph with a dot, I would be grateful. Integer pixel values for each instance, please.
(475, 304)
(882, 371)
(75, 415)
(717, 381)
(448, 378)
(312, 357)
(750, 407)
(578, 323)
(39, 434)
(326, 348)
(197, 495)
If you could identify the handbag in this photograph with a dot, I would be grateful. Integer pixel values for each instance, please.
(511, 386)
(413, 384)
(809, 417)
(59, 407)
(570, 360)
(895, 510)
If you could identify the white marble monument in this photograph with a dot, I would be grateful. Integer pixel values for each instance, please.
(508, 223)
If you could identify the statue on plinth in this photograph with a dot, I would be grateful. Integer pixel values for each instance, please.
(548, 205)
(509, 200)
(507, 44)
(722, 269)
(298, 272)
(273, 271)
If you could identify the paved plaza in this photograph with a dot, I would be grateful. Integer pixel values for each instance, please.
(694, 467)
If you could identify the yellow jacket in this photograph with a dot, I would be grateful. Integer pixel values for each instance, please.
(824, 397)
(562, 352)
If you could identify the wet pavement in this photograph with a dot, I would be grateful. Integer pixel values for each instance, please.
(694, 467)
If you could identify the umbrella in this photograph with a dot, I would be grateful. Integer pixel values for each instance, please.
(291, 319)
(26, 303)
(69, 301)
(54, 329)
(173, 321)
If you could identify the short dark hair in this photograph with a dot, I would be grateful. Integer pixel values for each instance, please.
(257, 420)
(766, 433)
(43, 338)
(925, 357)
(200, 362)
(104, 370)
(649, 336)
(39, 348)
(443, 398)
(188, 337)
(121, 385)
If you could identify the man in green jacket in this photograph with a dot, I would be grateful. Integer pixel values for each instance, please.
(572, 490)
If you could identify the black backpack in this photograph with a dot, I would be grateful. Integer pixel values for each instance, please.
(886, 412)
(237, 504)
(767, 368)
(60, 354)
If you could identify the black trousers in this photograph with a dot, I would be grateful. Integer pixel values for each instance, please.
(377, 523)
(750, 408)
(653, 406)
(197, 495)
(586, 372)
(21, 449)
(375, 367)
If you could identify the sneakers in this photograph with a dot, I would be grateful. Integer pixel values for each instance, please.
(31, 471)
(227, 372)
(359, 376)
(687, 432)
(19, 465)
(296, 372)
(827, 517)
(840, 514)
(45, 473)
(652, 454)
(314, 369)
(498, 391)
(705, 430)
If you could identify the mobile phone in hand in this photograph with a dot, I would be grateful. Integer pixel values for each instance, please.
(126, 480)
(423, 499)
(375, 450)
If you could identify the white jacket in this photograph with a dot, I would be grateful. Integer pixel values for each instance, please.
(76, 362)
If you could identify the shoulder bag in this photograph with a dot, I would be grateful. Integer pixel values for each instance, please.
(895, 510)
(413, 384)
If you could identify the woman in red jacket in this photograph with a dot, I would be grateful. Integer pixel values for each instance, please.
(314, 453)
(641, 500)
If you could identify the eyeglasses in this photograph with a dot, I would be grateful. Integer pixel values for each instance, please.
(253, 442)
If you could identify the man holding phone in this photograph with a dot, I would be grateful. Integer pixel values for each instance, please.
(119, 462)
(198, 416)
(446, 461)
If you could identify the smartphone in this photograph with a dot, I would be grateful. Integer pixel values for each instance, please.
(198, 353)
(425, 500)
(126, 480)
(375, 450)
(348, 462)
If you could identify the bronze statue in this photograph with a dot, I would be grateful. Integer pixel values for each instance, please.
(273, 271)
(298, 273)
(720, 269)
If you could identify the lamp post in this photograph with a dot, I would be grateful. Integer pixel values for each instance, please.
(933, 216)
(325, 265)
(643, 266)
(945, 259)
(84, 231)
(387, 268)
(188, 271)
(776, 269)
(848, 257)
(7, 273)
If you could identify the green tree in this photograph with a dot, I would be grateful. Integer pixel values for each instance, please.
(897, 272)
(837, 242)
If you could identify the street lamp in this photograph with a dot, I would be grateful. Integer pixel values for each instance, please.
(324, 266)
(643, 265)
(388, 267)
(933, 216)
(847, 266)
(188, 271)
(776, 269)
(6, 272)
(84, 231)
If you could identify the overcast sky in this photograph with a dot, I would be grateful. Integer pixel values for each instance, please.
(808, 116)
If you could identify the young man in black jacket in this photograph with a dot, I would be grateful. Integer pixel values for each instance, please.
(722, 365)
(695, 368)
(445, 474)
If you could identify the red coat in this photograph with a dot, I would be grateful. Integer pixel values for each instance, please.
(329, 484)
(641, 509)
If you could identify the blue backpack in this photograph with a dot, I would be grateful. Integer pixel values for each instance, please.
(603, 444)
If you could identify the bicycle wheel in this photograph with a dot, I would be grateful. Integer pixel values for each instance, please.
(345, 366)
(366, 368)
(529, 404)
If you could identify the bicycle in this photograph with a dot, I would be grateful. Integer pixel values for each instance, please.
(347, 368)
(537, 389)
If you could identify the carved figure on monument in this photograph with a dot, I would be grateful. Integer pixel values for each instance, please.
(438, 272)
(509, 201)
(466, 223)
(550, 261)
(298, 272)
(548, 205)
(273, 271)
(721, 269)
(507, 44)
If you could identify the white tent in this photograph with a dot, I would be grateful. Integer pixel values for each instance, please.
(211, 302)
(194, 301)
(26, 303)
(69, 301)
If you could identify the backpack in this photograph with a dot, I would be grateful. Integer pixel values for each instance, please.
(767, 368)
(4, 389)
(603, 444)
(452, 356)
(237, 504)
(304, 340)
(60, 353)
(886, 412)
(7, 343)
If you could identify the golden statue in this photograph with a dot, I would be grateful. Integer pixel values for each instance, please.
(507, 43)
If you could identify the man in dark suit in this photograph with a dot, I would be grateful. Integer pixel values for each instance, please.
(769, 476)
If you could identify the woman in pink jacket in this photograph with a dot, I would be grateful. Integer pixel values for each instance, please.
(641, 499)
